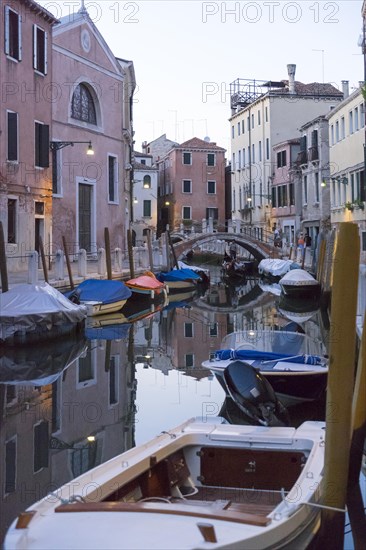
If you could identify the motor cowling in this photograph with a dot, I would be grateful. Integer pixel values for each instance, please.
(254, 395)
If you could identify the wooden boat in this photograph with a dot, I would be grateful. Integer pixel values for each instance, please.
(203, 484)
(298, 310)
(100, 296)
(147, 286)
(295, 365)
(299, 283)
(233, 270)
(35, 313)
(180, 280)
(204, 273)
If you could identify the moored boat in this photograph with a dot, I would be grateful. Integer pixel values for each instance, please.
(274, 269)
(295, 365)
(300, 284)
(101, 296)
(179, 280)
(34, 313)
(179, 486)
(147, 286)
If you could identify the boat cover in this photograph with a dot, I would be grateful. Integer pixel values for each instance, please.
(178, 275)
(29, 308)
(276, 267)
(145, 281)
(298, 277)
(102, 290)
(249, 355)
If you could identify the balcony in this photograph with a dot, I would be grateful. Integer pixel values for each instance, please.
(313, 154)
(302, 157)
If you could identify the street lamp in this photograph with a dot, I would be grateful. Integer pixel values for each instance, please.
(57, 145)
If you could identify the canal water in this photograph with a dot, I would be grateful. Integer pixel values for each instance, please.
(72, 405)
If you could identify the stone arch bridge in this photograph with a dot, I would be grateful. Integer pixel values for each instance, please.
(259, 248)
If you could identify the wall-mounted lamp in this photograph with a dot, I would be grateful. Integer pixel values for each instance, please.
(167, 203)
(56, 145)
(146, 185)
(135, 200)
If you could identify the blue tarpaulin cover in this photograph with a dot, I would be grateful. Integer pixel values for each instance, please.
(249, 355)
(102, 290)
(178, 275)
(109, 332)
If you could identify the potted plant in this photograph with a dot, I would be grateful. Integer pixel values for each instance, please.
(349, 206)
(359, 203)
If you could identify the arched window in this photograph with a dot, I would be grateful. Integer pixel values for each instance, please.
(82, 105)
(147, 182)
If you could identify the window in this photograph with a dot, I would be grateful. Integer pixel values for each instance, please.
(239, 160)
(187, 158)
(337, 131)
(292, 194)
(259, 118)
(343, 128)
(363, 241)
(253, 153)
(40, 446)
(187, 186)
(188, 330)
(39, 50)
(281, 159)
(211, 187)
(252, 121)
(112, 178)
(12, 154)
(57, 171)
(211, 159)
(147, 209)
(143, 161)
(13, 34)
(232, 132)
(356, 120)
(266, 113)
(233, 162)
(305, 189)
(41, 144)
(212, 213)
(147, 182)
(267, 148)
(274, 197)
(186, 213)
(316, 176)
(332, 135)
(82, 105)
(260, 151)
(350, 121)
(242, 127)
(243, 158)
(189, 360)
(10, 465)
(238, 128)
(12, 217)
(213, 330)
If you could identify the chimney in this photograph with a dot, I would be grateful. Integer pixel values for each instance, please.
(291, 69)
(345, 88)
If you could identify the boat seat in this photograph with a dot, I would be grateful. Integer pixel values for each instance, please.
(164, 508)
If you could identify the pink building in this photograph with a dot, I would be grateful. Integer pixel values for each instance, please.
(93, 110)
(192, 185)
(25, 121)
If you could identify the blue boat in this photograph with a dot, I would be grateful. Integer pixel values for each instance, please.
(178, 280)
(100, 296)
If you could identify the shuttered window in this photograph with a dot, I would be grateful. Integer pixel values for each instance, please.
(39, 49)
(40, 449)
(10, 466)
(41, 145)
(13, 34)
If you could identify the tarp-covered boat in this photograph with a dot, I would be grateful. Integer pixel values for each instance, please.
(274, 269)
(31, 313)
(101, 296)
(178, 280)
(300, 284)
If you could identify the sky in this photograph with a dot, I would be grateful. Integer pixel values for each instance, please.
(187, 52)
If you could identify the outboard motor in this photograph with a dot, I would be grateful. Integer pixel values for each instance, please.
(254, 395)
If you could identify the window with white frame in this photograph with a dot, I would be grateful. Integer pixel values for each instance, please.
(213, 330)
(252, 120)
(39, 49)
(259, 118)
(187, 158)
(211, 187)
(350, 122)
(266, 113)
(13, 34)
(267, 148)
(186, 212)
(112, 178)
(353, 187)
(211, 159)
(233, 162)
(188, 330)
(83, 105)
(232, 132)
(146, 181)
(187, 186)
(363, 241)
(242, 126)
(41, 145)
(12, 136)
(238, 128)
(343, 128)
(356, 120)
(147, 209)
(332, 134)
(239, 159)
(281, 159)
(253, 153)
(337, 131)
(260, 151)
(243, 157)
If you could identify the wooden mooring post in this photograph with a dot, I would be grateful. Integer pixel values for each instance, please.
(72, 286)
(43, 259)
(3, 268)
(107, 244)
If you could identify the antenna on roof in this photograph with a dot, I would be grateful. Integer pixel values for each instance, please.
(82, 7)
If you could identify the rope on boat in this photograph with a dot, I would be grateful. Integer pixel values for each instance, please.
(73, 498)
(324, 507)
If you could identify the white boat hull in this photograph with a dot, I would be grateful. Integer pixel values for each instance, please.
(190, 456)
